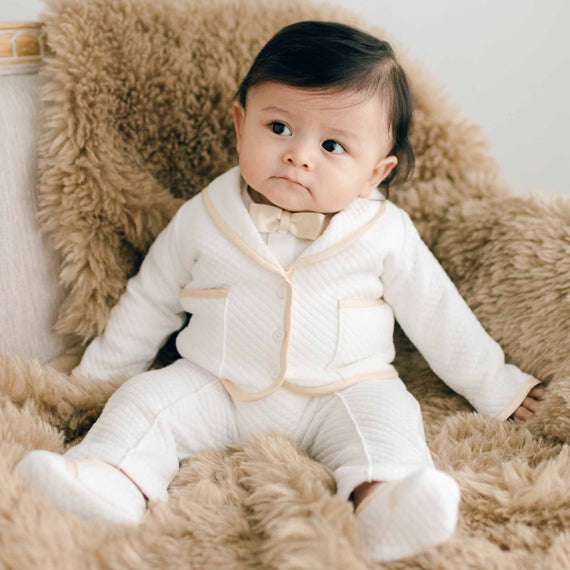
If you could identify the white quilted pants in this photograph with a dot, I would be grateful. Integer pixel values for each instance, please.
(370, 431)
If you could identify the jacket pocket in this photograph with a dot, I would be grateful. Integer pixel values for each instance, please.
(206, 332)
(364, 327)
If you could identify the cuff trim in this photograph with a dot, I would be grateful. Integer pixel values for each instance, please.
(518, 399)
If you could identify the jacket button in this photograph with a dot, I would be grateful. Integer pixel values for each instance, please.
(278, 335)
(282, 291)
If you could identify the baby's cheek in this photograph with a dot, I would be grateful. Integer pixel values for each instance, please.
(248, 170)
(254, 161)
(335, 198)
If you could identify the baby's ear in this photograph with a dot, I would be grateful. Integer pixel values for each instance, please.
(239, 117)
(383, 168)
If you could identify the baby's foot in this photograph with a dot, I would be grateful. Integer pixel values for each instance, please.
(90, 489)
(403, 518)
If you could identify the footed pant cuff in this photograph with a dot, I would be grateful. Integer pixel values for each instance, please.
(348, 478)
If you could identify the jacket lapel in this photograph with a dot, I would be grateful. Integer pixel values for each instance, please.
(230, 214)
(345, 225)
(225, 206)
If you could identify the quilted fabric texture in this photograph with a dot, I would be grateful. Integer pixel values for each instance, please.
(232, 333)
(136, 119)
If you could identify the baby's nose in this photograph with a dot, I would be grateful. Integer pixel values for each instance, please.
(298, 157)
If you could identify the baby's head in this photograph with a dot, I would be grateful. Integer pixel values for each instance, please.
(322, 118)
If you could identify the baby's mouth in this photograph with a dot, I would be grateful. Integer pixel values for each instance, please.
(292, 181)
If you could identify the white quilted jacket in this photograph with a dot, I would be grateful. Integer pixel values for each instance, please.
(322, 324)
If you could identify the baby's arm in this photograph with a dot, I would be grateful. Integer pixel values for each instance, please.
(148, 311)
(439, 322)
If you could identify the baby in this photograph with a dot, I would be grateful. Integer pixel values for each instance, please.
(293, 267)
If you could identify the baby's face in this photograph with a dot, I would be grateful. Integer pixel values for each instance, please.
(312, 151)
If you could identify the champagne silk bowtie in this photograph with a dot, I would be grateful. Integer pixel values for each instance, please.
(305, 225)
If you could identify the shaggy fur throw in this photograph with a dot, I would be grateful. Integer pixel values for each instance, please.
(137, 118)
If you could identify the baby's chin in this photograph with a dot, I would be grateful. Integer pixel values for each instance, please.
(301, 201)
(298, 204)
(293, 200)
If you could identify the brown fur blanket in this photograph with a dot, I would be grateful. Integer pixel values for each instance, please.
(137, 118)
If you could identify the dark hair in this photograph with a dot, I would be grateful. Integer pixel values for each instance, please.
(329, 55)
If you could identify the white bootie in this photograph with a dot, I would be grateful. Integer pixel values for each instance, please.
(402, 518)
(90, 489)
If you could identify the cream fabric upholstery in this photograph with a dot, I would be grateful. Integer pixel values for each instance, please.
(30, 294)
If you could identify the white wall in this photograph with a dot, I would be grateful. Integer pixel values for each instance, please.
(505, 62)
(20, 10)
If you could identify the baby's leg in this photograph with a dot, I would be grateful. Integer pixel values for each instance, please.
(373, 431)
(149, 424)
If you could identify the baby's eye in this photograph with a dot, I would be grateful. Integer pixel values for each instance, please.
(333, 146)
(280, 129)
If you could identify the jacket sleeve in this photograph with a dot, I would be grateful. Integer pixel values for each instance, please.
(147, 313)
(441, 325)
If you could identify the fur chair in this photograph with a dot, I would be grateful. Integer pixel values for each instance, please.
(136, 119)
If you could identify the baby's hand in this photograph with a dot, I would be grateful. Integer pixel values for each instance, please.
(528, 408)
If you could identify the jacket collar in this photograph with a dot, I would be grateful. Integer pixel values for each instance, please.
(223, 202)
